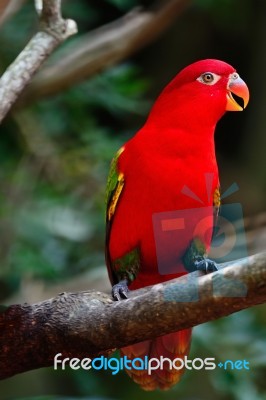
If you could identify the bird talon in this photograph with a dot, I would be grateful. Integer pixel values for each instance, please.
(205, 265)
(120, 290)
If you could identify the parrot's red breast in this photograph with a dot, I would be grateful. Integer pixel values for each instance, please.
(163, 169)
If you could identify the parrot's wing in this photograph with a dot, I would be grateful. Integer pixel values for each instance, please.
(216, 204)
(115, 184)
(216, 207)
(197, 247)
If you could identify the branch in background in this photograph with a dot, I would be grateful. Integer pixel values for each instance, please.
(87, 324)
(8, 8)
(53, 30)
(4, 5)
(40, 147)
(104, 47)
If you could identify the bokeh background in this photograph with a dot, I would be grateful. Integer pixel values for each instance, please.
(55, 153)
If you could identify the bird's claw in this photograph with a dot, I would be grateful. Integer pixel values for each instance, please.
(120, 290)
(205, 265)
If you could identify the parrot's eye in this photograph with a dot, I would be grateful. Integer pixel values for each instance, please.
(235, 76)
(208, 78)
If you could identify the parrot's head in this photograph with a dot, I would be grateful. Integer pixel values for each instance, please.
(202, 92)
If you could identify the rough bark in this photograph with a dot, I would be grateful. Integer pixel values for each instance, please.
(87, 324)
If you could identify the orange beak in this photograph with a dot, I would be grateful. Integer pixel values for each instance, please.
(238, 87)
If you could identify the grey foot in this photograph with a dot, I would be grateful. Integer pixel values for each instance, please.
(205, 265)
(120, 290)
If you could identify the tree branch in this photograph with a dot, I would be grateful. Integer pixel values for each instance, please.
(103, 47)
(89, 323)
(8, 8)
(53, 30)
(3, 7)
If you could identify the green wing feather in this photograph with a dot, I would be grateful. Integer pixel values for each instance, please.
(216, 204)
(126, 267)
(115, 183)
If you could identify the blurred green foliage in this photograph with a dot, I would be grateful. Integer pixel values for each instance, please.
(55, 156)
(124, 4)
(55, 175)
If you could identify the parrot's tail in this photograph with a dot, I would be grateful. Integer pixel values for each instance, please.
(171, 346)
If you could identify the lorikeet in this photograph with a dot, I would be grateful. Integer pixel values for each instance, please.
(172, 151)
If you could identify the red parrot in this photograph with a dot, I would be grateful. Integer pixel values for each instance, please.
(172, 151)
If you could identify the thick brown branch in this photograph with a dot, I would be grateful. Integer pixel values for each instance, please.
(54, 30)
(89, 323)
(104, 47)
